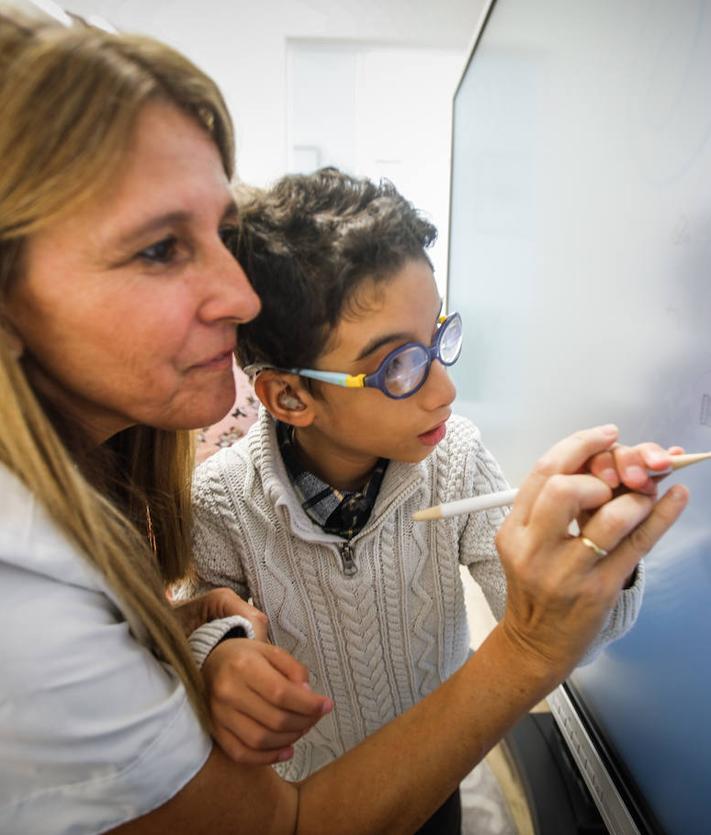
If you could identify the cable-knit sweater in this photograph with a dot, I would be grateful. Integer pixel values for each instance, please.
(380, 639)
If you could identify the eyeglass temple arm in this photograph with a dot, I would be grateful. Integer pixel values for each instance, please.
(351, 381)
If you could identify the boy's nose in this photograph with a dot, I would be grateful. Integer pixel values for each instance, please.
(438, 391)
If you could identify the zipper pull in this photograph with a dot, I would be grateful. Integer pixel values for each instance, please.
(349, 566)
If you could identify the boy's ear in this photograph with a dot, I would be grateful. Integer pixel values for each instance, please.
(284, 397)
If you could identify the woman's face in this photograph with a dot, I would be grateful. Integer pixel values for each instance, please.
(127, 307)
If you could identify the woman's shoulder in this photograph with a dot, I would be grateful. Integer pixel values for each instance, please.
(65, 644)
(31, 541)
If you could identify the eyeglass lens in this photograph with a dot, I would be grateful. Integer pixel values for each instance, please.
(405, 370)
(450, 343)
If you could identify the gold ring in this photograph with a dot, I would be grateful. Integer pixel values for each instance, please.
(599, 552)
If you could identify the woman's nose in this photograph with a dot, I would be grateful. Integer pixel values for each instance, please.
(230, 294)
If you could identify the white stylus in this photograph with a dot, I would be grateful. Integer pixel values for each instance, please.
(487, 501)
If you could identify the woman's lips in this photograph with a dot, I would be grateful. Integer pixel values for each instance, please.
(223, 360)
(434, 436)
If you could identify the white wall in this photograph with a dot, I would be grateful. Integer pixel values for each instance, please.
(243, 46)
(377, 111)
(409, 53)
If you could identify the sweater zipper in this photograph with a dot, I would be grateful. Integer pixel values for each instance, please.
(349, 566)
(346, 549)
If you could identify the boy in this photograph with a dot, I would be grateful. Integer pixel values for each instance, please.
(310, 514)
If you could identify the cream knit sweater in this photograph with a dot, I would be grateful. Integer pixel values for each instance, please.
(378, 640)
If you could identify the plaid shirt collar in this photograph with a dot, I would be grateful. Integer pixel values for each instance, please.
(340, 512)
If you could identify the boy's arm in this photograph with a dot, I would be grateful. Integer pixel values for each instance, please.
(260, 702)
(477, 531)
(217, 548)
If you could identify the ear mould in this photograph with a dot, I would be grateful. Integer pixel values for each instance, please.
(290, 402)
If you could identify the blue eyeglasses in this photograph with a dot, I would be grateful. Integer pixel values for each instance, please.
(405, 369)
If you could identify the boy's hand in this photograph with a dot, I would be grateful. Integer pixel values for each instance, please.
(216, 604)
(629, 466)
(260, 701)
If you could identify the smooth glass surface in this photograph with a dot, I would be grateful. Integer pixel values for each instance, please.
(580, 259)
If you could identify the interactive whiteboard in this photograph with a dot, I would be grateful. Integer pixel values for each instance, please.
(580, 260)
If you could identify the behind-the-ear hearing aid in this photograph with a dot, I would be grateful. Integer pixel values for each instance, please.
(289, 401)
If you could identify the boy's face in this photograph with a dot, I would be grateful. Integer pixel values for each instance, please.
(364, 424)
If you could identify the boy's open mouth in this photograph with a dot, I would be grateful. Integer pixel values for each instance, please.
(433, 436)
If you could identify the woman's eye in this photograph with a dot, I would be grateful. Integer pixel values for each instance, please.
(162, 252)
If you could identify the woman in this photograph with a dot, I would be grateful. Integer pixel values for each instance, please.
(118, 308)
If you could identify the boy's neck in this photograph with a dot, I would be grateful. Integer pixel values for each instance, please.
(335, 466)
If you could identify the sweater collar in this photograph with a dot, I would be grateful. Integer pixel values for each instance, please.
(264, 451)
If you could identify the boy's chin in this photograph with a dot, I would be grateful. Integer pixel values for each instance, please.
(416, 456)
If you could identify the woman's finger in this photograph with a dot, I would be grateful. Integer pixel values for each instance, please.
(634, 465)
(621, 562)
(613, 522)
(567, 456)
(562, 499)
(603, 467)
(226, 602)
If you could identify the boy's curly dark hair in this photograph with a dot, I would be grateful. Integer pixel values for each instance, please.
(306, 244)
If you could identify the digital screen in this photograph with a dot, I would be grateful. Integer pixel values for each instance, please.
(580, 260)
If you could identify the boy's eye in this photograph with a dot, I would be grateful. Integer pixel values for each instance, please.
(162, 252)
(395, 365)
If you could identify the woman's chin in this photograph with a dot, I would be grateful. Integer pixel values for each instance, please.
(201, 409)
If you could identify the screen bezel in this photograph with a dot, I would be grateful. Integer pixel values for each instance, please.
(619, 774)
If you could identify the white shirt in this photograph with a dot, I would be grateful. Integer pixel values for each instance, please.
(94, 730)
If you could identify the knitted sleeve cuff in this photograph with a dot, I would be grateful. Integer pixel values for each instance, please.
(206, 637)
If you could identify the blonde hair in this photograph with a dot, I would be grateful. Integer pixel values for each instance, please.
(69, 99)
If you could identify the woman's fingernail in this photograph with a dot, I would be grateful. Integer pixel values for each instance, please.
(306, 686)
(326, 707)
(610, 477)
(609, 429)
(636, 473)
(285, 755)
(677, 493)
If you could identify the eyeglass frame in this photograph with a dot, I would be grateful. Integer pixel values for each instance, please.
(377, 378)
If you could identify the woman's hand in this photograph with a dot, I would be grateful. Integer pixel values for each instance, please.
(559, 589)
(632, 466)
(260, 700)
(216, 604)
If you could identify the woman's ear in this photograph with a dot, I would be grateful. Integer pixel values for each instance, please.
(284, 397)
